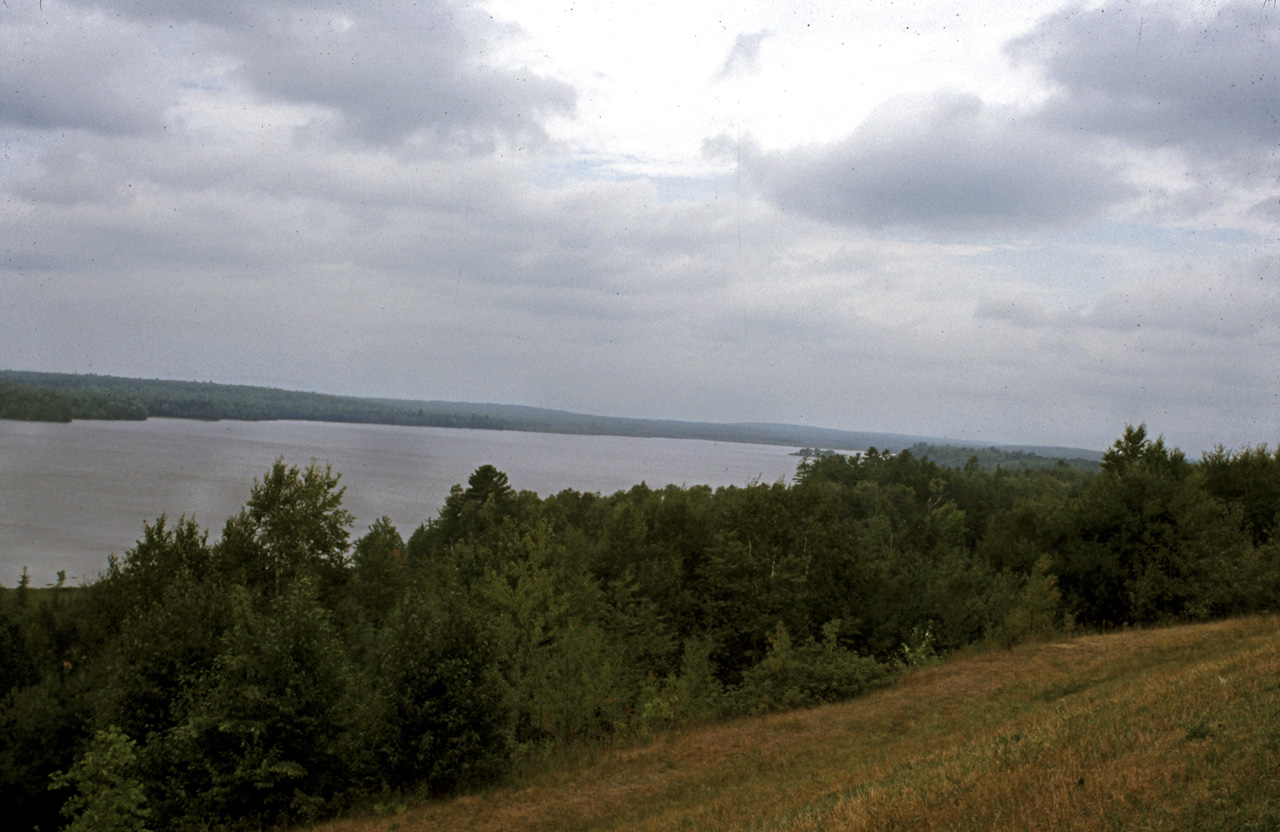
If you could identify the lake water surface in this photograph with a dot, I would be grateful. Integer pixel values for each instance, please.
(70, 494)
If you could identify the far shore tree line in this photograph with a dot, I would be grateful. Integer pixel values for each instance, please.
(60, 397)
(21, 402)
(286, 672)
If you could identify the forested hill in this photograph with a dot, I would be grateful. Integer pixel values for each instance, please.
(209, 401)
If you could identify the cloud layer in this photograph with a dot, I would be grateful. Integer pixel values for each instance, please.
(431, 201)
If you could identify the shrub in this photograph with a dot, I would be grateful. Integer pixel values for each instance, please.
(816, 672)
(108, 797)
(1035, 609)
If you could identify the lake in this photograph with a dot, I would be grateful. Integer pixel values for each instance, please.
(70, 494)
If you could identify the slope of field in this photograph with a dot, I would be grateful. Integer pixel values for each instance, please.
(1174, 728)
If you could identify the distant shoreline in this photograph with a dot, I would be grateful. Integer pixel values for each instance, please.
(207, 401)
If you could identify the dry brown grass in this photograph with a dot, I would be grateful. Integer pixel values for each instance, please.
(1173, 728)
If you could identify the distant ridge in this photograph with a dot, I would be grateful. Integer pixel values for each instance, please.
(544, 420)
(211, 401)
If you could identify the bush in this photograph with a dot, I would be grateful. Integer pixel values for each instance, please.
(108, 796)
(791, 677)
(692, 695)
(1036, 608)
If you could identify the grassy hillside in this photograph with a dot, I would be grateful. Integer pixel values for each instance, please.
(1173, 728)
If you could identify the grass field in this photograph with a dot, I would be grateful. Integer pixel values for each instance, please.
(1175, 729)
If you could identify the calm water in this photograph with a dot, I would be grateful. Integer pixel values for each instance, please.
(71, 494)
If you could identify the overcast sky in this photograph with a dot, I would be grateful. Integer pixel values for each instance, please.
(1006, 221)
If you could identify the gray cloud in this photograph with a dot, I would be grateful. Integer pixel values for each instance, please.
(945, 161)
(93, 74)
(1125, 81)
(744, 56)
(1234, 302)
(1161, 75)
(410, 69)
(388, 72)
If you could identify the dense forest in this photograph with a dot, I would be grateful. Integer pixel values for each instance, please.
(995, 458)
(43, 404)
(286, 672)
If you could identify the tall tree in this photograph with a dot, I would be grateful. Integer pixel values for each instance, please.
(294, 524)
